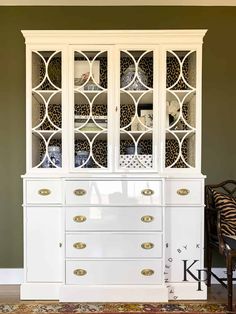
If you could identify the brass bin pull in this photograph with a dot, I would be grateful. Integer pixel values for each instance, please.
(80, 192)
(44, 192)
(79, 245)
(79, 218)
(147, 272)
(147, 218)
(183, 192)
(147, 245)
(80, 272)
(147, 192)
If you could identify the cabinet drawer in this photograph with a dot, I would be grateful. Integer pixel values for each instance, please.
(43, 192)
(182, 192)
(114, 245)
(114, 272)
(114, 218)
(114, 192)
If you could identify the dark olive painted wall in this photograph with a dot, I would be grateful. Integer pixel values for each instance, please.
(219, 87)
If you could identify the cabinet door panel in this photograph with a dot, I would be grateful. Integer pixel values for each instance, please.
(138, 109)
(44, 256)
(91, 81)
(46, 110)
(184, 242)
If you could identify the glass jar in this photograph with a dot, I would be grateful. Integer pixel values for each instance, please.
(81, 157)
(128, 76)
(54, 153)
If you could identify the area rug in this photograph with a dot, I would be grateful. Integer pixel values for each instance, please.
(112, 308)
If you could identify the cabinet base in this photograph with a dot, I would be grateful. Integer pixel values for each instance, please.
(40, 291)
(114, 293)
(119, 293)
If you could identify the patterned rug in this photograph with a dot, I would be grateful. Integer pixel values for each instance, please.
(112, 308)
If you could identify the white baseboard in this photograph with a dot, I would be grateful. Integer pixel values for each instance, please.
(11, 276)
(15, 276)
(220, 272)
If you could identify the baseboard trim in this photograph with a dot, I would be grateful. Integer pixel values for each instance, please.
(15, 276)
(221, 273)
(11, 276)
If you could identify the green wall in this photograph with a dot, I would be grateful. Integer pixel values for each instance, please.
(219, 86)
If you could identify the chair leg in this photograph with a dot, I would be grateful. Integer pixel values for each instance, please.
(229, 281)
(209, 263)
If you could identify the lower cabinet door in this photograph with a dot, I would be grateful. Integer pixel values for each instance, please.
(43, 251)
(184, 244)
(127, 272)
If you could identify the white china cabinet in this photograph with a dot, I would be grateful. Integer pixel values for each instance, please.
(113, 193)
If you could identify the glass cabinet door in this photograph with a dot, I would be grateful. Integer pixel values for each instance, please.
(180, 109)
(90, 109)
(136, 109)
(46, 109)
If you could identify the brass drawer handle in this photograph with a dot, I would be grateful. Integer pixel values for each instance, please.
(147, 272)
(183, 192)
(147, 245)
(79, 218)
(80, 192)
(80, 272)
(147, 218)
(79, 245)
(44, 192)
(147, 192)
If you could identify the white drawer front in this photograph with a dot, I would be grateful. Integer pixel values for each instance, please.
(114, 192)
(182, 192)
(114, 218)
(114, 272)
(43, 192)
(114, 245)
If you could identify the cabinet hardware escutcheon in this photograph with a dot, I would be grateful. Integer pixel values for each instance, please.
(44, 192)
(183, 192)
(80, 272)
(147, 192)
(147, 245)
(147, 218)
(79, 245)
(147, 272)
(79, 218)
(80, 192)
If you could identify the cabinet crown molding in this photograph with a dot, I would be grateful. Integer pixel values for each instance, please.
(193, 36)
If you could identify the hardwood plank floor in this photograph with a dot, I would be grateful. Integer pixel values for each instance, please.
(11, 294)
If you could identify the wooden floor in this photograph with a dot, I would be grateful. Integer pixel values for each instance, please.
(11, 294)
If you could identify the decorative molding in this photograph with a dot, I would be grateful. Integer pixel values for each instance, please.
(118, 3)
(190, 36)
(11, 276)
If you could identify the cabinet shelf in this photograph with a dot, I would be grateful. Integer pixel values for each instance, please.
(42, 96)
(100, 136)
(136, 135)
(144, 96)
(179, 134)
(46, 134)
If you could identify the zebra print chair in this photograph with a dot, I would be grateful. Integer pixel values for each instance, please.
(220, 228)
